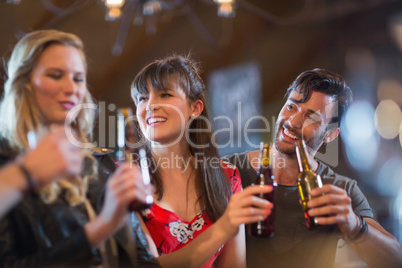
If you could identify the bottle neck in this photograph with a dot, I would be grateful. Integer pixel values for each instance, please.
(303, 158)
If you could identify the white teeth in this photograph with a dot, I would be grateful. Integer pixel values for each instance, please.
(289, 134)
(154, 120)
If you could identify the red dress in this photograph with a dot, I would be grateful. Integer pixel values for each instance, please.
(170, 232)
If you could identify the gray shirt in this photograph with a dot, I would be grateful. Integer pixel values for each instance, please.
(293, 245)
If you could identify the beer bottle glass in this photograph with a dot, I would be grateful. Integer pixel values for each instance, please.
(128, 151)
(306, 180)
(264, 228)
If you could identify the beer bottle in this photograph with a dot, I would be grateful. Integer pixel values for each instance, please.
(307, 180)
(128, 151)
(264, 228)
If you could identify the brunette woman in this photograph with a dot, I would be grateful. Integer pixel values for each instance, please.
(199, 210)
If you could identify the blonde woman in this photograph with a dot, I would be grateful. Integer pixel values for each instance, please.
(65, 223)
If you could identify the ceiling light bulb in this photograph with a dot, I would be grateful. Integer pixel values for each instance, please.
(226, 10)
(224, 1)
(113, 14)
(114, 3)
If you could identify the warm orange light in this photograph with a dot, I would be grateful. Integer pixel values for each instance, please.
(113, 13)
(226, 10)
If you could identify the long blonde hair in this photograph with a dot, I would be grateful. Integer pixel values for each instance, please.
(20, 112)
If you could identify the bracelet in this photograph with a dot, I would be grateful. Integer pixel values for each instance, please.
(28, 177)
(361, 232)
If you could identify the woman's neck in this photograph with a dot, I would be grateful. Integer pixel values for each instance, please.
(175, 157)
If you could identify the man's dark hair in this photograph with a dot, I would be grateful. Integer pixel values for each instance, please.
(326, 82)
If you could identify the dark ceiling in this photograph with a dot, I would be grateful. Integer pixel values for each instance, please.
(284, 37)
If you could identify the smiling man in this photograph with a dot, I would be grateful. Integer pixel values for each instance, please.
(315, 103)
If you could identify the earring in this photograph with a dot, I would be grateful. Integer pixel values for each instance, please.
(192, 115)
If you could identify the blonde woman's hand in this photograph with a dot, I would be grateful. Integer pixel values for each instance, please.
(244, 207)
(123, 187)
(54, 156)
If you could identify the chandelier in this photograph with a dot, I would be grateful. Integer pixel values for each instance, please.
(147, 13)
(154, 7)
(137, 12)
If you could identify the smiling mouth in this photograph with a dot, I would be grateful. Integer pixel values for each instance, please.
(155, 120)
(289, 134)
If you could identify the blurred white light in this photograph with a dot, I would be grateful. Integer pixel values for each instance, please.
(389, 177)
(390, 89)
(398, 214)
(358, 122)
(358, 131)
(387, 119)
(400, 135)
(114, 3)
(362, 156)
(223, 1)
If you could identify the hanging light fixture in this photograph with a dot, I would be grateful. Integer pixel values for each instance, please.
(113, 9)
(149, 12)
(226, 8)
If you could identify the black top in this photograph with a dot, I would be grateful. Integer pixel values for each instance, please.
(35, 234)
(293, 245)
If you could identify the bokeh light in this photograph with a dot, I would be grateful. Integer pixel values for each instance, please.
(387, 119)
(400, 135)
(398, 214)
(389, 177)
(358, 132)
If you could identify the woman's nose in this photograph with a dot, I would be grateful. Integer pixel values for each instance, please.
(69, 86)
(152, 104)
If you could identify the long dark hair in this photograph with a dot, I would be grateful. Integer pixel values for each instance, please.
(212, 187)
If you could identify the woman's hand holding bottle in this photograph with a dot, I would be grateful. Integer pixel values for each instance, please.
(123, 187)
(244, 207)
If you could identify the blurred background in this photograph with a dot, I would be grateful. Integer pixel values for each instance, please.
(249, 51)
